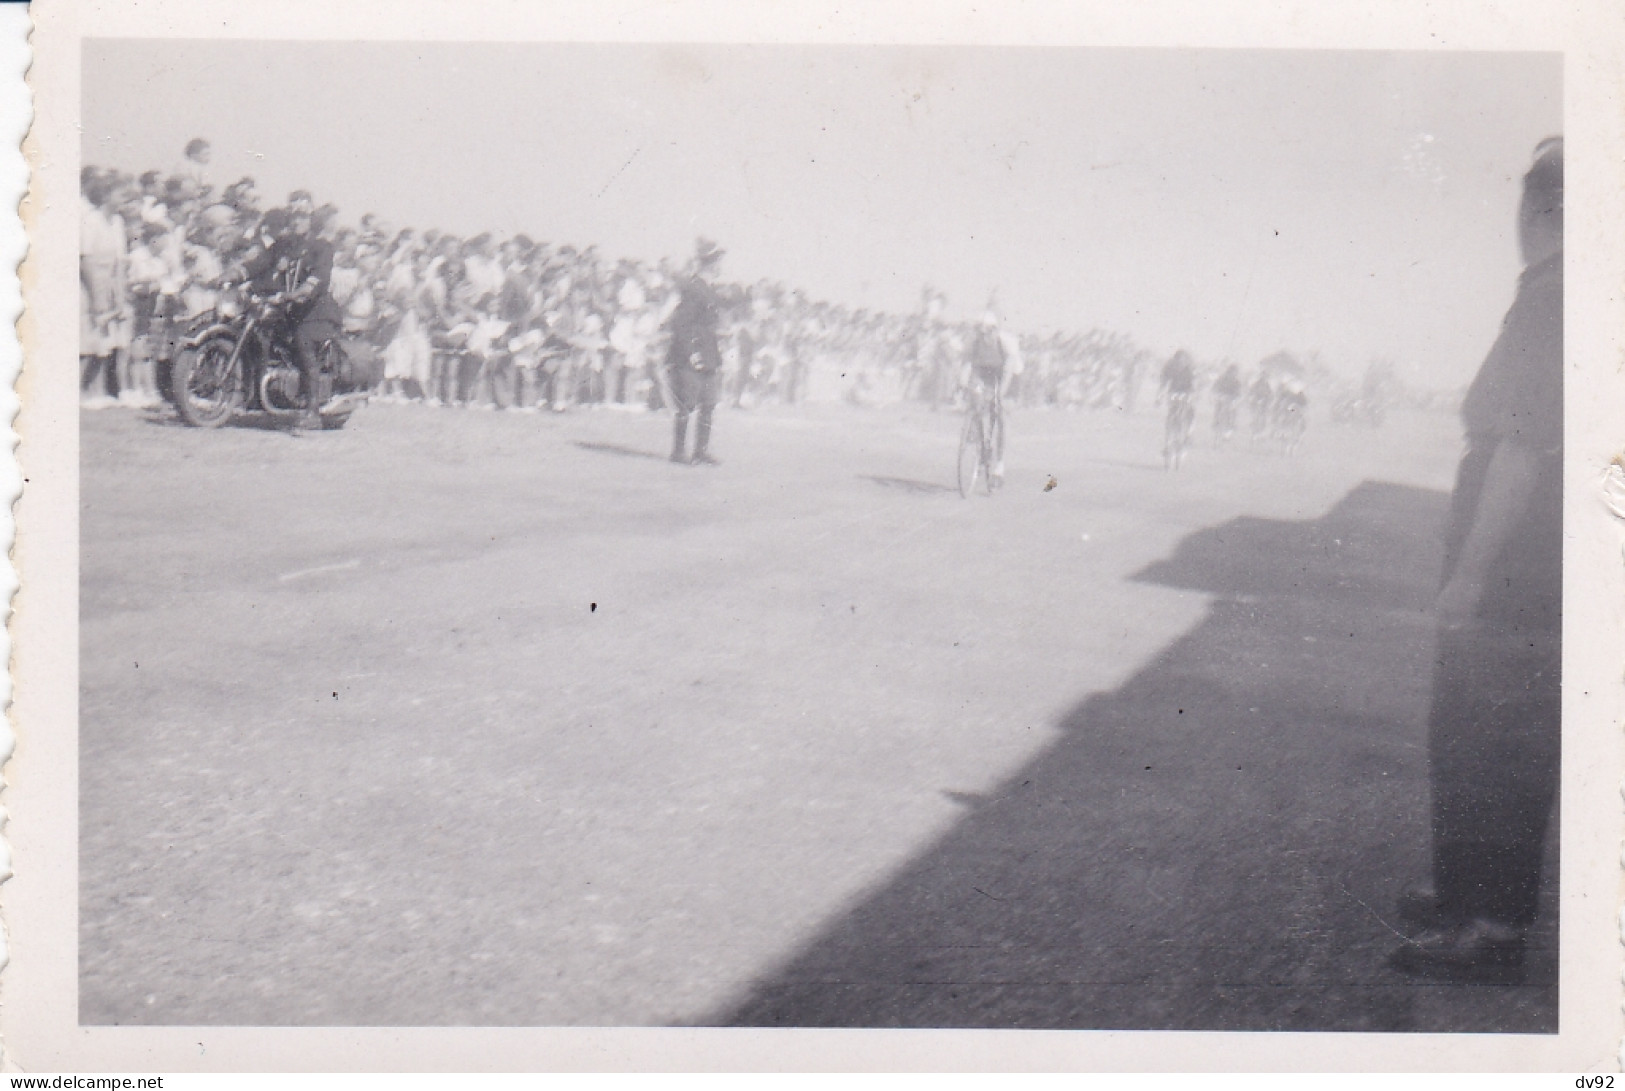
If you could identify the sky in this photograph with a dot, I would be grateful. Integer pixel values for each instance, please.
(1233, 203)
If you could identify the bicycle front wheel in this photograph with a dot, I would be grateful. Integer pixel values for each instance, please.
(972, 466)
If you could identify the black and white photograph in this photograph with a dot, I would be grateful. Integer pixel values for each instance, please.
(774, 534)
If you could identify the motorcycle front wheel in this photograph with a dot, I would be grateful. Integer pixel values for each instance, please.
(204, 383)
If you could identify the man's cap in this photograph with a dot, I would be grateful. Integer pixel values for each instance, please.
(707, 252)
(301, 196)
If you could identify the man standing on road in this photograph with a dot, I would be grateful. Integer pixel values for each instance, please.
(693, 360)
(1493, 728)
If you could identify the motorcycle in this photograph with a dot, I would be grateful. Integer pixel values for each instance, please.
(239, 359)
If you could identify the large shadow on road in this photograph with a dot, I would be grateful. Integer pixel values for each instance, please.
(1214, 845)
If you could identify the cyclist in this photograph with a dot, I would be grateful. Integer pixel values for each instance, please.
(1260, 396)
(1179, 384)
(994, 361)
(1291, 402)
(1226, 393)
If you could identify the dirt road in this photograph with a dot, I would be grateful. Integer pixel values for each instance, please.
(471, 717)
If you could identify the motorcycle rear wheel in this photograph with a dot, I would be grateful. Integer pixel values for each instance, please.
(204, 383)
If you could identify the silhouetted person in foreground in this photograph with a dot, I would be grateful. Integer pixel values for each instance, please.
(1493, 728)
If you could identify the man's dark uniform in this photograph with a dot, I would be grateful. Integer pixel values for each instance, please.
(1494, 728)
(291, 261)
(694, 363)
(1493, 738)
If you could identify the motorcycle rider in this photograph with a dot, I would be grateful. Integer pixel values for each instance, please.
(298, 263)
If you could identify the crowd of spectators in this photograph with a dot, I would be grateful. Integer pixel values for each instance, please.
(513, 321)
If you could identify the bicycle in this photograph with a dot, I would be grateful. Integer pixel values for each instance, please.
(1224, 420)
(1290, 426)
(1177, 431)
(978, 439)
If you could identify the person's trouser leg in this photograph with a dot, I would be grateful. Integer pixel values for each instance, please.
(314, 384)
(683, 399)
(437, 364)
(121, 374)
(706, 394)
(1493, 752)
(702, 432)
(679, 435)
(90, 371)
(469, 375)
(997, 468)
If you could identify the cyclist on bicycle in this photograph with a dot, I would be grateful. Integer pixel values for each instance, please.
(1178, 377)
(1291, 405)
(1226, 393)
(1179, 384)
(994, 361)
(1260, 397)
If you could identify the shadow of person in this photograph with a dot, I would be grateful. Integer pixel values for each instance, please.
(618, 449)
(909, 485)
(1214, 845)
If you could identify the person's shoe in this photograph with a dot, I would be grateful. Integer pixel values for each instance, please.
(1419, 908)
(705, 458)
(1479, 951)
(679, 457)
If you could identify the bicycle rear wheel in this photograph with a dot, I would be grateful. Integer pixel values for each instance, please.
(972, 461)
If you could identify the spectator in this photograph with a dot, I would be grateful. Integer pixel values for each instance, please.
(1493, 728)
(194, 167)
(104, 328)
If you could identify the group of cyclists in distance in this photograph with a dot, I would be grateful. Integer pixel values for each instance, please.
(1277, 410)
(1277, 401)
(512, 323)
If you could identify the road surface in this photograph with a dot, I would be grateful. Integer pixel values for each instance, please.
(462, 717)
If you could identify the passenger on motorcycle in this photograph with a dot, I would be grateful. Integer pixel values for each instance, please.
(297, 263)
